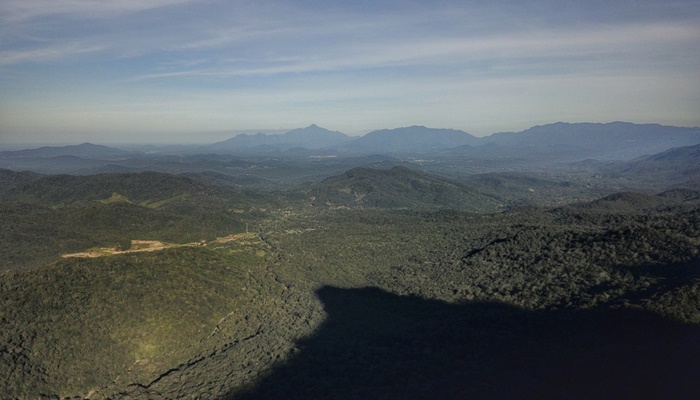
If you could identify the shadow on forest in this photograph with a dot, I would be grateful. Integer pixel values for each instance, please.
(377, 345)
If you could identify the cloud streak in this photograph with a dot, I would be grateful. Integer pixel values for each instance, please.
(22, 10)
(569, 47)
(47, 54)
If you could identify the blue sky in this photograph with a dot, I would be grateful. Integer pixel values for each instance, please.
(195, 70)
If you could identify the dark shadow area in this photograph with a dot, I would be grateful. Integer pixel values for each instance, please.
(666, 277)
(673, 275)
(376, 345)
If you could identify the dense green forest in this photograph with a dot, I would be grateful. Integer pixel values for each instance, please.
(375, 283)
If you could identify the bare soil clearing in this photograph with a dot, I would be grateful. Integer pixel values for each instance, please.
(138, 246)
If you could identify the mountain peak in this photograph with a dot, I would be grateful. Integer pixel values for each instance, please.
(311, 128)
(311, 137)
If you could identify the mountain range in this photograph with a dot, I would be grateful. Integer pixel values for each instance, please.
(618, 149)
(569, 141)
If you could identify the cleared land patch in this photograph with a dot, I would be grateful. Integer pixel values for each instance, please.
(156, 245)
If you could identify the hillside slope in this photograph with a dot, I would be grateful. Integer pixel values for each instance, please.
(398, 187)
(678, 166)
(44, 216)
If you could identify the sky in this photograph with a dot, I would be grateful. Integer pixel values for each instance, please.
(194, 71)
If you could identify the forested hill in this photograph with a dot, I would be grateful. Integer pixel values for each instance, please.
(398, 187)
(42, 217)
(679, 166)
(144, 187)
(632, 202)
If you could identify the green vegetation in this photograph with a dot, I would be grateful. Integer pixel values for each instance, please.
(34, 234)
(398, 187)
(530, 258)
(44, 217)
(116, 198)
(372, 283)
(81, 323)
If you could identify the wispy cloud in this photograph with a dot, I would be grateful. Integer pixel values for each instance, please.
(46, 54)
(569, 47)
(224, 37)
(20, 10)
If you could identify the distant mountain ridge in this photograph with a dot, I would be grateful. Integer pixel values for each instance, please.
(412, 139)
(563, 141)
(84, 150)
(539, 146)
(614, 140)
(311, 137)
